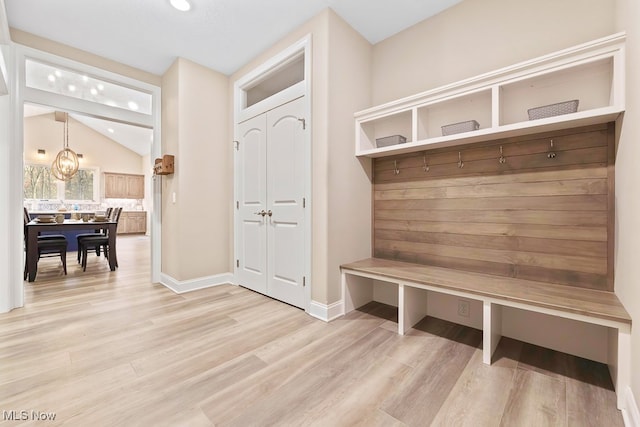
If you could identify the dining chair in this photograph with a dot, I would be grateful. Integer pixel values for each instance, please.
(109, 214)
(97, 241)
(27, 218)
(48, 246)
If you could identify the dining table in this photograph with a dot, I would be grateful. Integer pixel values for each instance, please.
(34, 228)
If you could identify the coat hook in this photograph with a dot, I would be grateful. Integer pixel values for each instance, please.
(551, 154)
(460, 163)
(502, 159)
(426, 166)
(396, 171)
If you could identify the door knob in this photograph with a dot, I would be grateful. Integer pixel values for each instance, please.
(269, 212)
(262, 212)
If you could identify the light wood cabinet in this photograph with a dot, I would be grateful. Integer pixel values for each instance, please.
(135, 186)
(132, 222)
(123, 186)
(592, 73)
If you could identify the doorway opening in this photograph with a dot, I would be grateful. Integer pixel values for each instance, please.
(103, 108)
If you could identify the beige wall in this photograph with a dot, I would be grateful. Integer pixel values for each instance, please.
(349, 179)
(478, 36)
(341, 191)
(195, 130)
(170, 263)
(28, 39)
(627, 269)
(44, 132)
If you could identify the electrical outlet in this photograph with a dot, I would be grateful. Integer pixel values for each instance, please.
(463, 308)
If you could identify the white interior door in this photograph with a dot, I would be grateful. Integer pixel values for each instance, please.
(285, 204)
(251, 270)
(270, 214)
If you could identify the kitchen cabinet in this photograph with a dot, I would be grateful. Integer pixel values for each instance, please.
(123, 186)
(132, 222)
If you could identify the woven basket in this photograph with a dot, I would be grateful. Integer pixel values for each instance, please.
(551, 110)
(390, 140)
(453, 128)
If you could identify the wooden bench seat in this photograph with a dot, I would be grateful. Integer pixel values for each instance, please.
(586, 305)
(593, 303)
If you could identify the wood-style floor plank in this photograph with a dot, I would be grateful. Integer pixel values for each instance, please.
(536, 400)
(479, 397)
(108, 348)
(421, 396)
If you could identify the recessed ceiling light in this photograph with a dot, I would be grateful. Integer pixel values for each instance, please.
(100, 86)
(132, 105)
(110, 130)
(85, 79)
(94, 91)
(71, 88)
(51, 78)
(181, 5)
(58, 73)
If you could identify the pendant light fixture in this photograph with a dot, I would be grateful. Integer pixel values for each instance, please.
(66, 164)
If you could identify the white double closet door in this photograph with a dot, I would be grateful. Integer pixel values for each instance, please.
(270, 210)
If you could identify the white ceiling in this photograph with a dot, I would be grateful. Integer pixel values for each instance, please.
(220, 34)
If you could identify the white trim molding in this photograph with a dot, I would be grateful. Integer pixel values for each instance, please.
(326, 312)
(630, 413)
(5, 34)
(182, 286)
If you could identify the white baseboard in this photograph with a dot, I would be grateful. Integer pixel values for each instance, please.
(326, 312)
(631, 414)
(181, 286)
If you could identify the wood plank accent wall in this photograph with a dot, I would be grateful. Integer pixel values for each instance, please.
(531, 217)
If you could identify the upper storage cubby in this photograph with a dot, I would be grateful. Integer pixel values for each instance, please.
(394, 124)
(471, 106)
(589, 83)
(495, 105)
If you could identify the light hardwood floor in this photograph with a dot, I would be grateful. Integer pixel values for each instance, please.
(104, 348)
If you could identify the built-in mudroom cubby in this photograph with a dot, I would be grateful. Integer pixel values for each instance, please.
(494, 206)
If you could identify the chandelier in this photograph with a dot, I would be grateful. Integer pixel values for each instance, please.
(66, 164)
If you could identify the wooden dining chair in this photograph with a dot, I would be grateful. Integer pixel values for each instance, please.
(27, 218)
(99, 232)
(48, 246)
(96, 242)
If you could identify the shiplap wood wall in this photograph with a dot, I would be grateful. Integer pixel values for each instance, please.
(531, 217)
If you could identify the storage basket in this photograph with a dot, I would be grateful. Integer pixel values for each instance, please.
(390, 140)
(453, 128)
(551, 110)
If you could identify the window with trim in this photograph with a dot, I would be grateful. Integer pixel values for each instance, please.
(39, 183)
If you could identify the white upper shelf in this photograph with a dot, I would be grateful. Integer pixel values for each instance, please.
(592, 72)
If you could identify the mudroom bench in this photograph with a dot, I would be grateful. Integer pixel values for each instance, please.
(413, 280)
